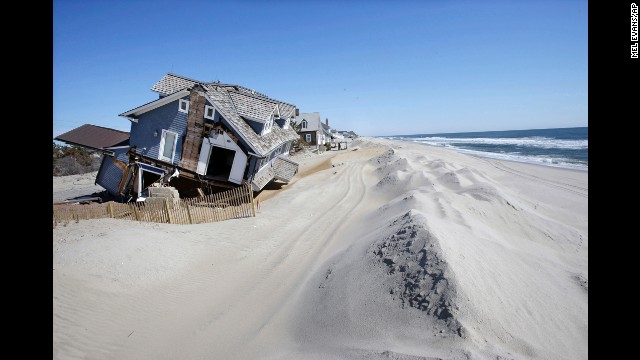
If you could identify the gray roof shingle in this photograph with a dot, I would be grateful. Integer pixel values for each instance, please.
(313, 121)
(172, 83)
(252, 107)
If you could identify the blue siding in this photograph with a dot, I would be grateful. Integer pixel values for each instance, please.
(252, 167)
(165, 117)
(109, 175)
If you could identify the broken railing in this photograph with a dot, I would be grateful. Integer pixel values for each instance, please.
(232, 204)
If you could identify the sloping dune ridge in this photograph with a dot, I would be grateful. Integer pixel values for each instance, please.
(397, 251)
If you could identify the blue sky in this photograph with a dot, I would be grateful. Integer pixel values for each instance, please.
(374, 67)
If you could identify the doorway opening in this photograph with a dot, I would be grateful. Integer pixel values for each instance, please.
(220, 163)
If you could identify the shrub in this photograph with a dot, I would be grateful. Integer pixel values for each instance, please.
(72, 160)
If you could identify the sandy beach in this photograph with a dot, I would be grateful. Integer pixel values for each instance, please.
(72, 186)
(388, 250)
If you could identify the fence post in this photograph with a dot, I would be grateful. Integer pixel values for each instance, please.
(110, 205)
(188, 212)
(253, 208)
(135, 212)
(166, 207)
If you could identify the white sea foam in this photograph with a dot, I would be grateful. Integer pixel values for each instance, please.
(533, 142)
(536, 141)
(539, 160)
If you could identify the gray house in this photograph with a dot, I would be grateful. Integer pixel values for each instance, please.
(310, 128)
(202, 135)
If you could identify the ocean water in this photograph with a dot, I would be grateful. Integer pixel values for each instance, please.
(564, 147)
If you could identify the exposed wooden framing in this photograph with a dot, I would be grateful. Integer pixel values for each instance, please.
(220, 128)
(185, 173)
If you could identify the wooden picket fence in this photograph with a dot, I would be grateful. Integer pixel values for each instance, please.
(232, 204)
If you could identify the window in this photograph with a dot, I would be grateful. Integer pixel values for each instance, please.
(167, 146)
(307, 138)
(183, 106)
(304, 124)
(208, 112)
(267, 127)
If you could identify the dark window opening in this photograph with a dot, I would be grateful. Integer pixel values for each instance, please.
(220, 162)
(148, 178)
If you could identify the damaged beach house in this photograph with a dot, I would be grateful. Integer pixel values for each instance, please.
(201, 137)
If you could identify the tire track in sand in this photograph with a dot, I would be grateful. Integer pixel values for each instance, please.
(286, 268)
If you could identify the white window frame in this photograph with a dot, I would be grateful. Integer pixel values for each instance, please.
(186, 111)
(161, 149)
(303, 124)
(267, 127)
(206, 110)
(307, 137)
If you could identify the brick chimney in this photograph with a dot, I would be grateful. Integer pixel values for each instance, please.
(193, 137)
(326, 121)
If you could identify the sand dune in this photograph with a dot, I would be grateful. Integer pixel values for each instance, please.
(397, 250)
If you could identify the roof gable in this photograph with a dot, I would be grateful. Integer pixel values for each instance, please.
(155, 104)
(313, 121)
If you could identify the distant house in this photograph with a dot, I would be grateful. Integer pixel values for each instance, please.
(349, 134)
(310, 128)
(326, 130)
(335, 134)
(202, 134)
